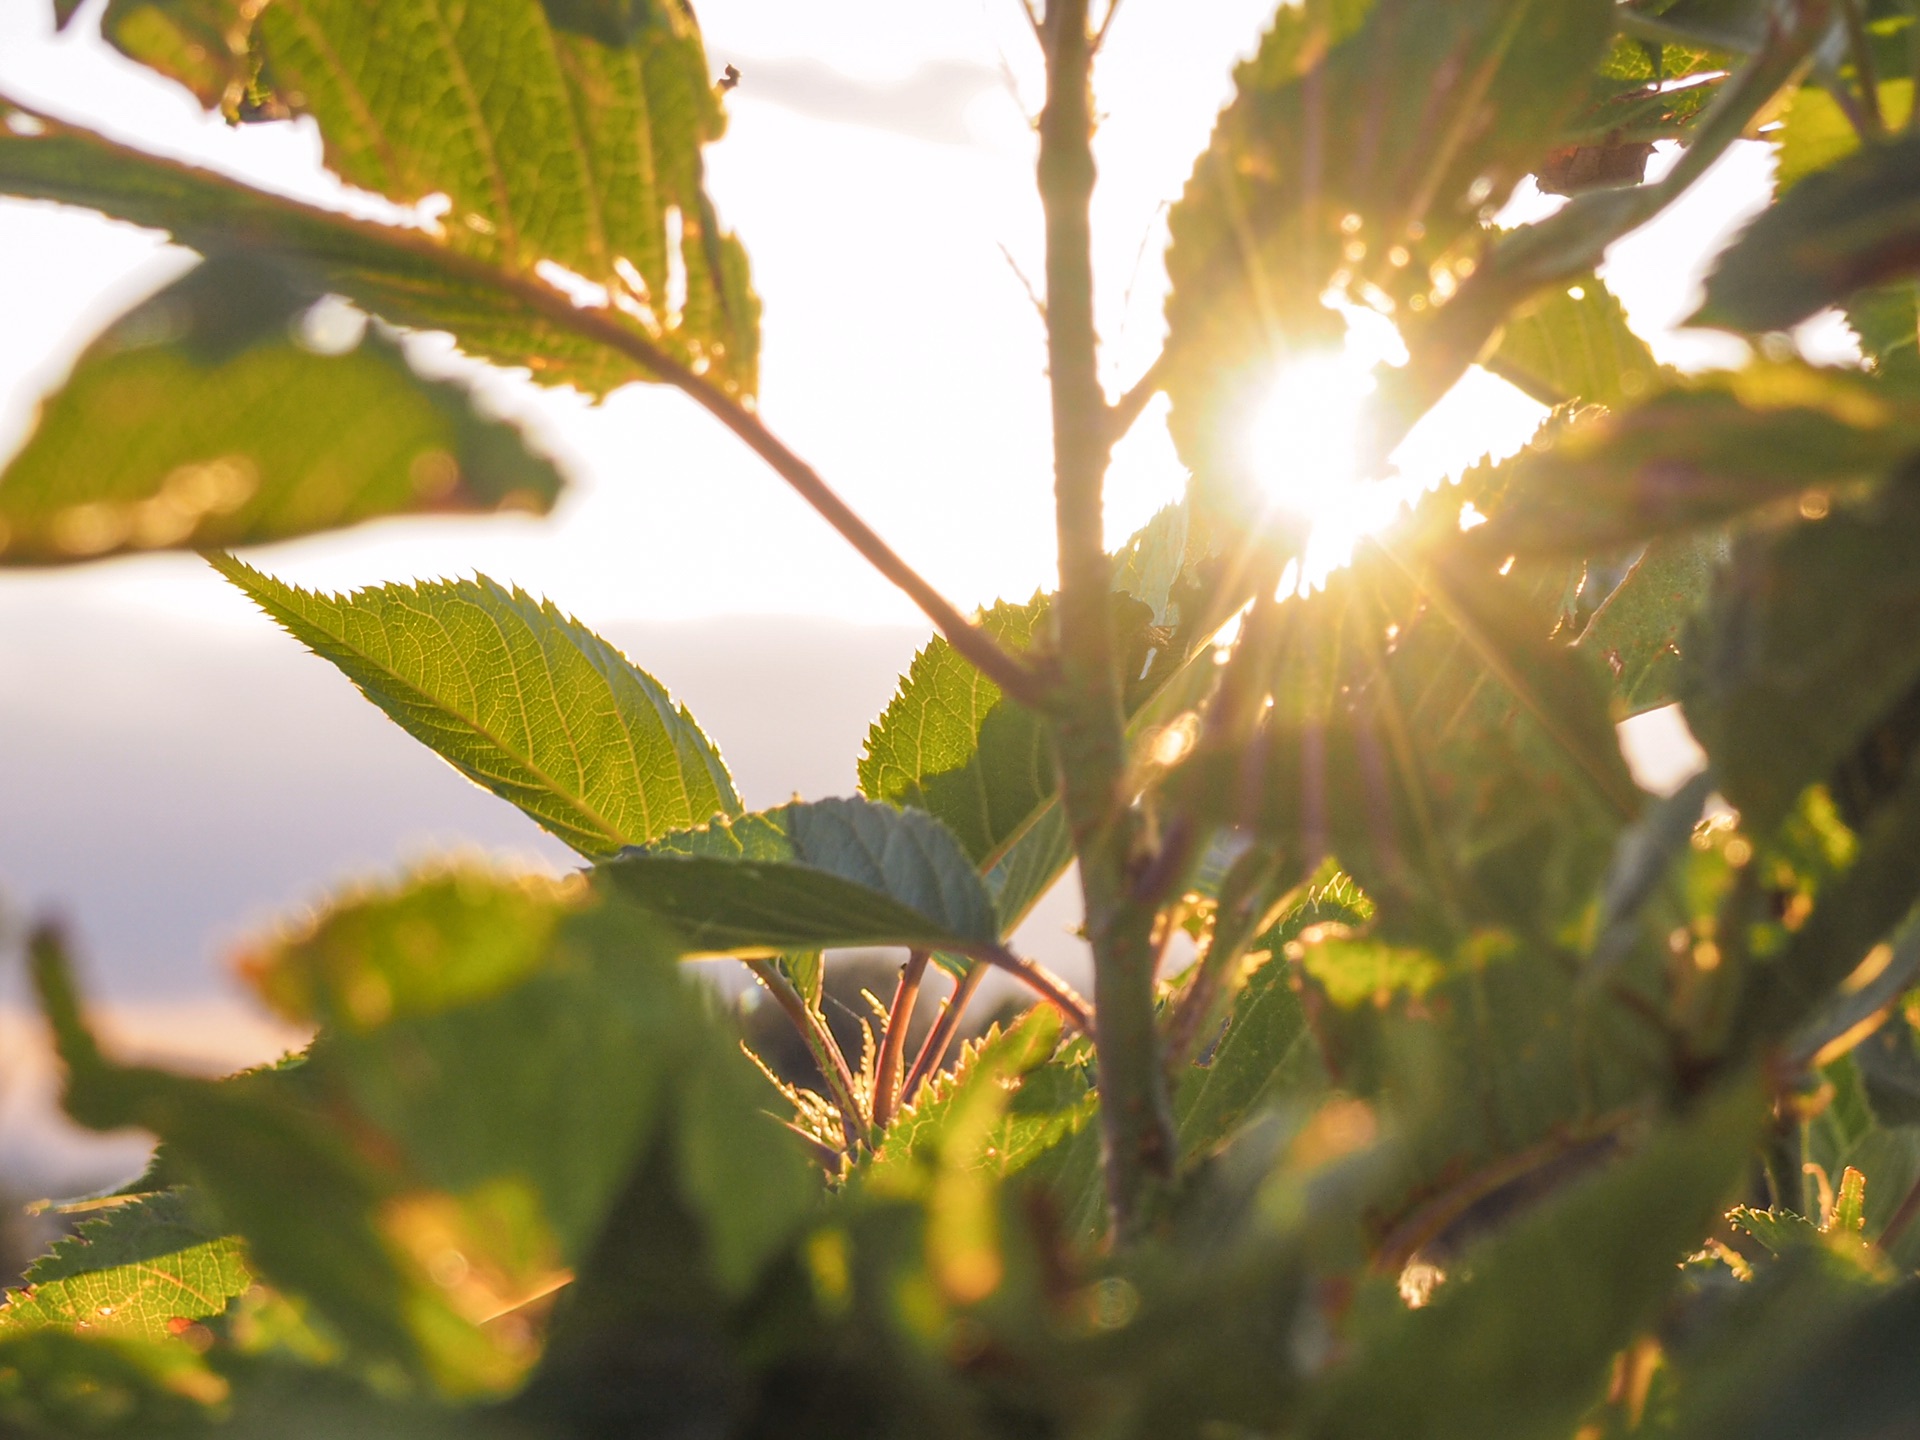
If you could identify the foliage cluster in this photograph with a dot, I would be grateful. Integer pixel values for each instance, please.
(1502, 1098)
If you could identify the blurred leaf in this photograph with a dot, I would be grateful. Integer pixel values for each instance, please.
(825, 874)
(1575, 345)
(146, 1269)
(495, 307)
(552, 140)
(1266, 1052)
(1890, 1070)
(203, 44)
(203, 418)
(1815, 133)
(1639, 627)
(1293, 196)
(1839, 231)
(518, 1042)
(1715, 447)
(58, 1386)
(303, 1201)
(517, 697)
(1887, 322)
(1736, 27)
(1811, 636)
(1520, 1345)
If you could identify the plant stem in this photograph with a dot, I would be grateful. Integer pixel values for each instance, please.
(1036, 977)
(1089, 725)
(820, 1044)
(886, 1074)
(1865, 71)
(933, 1050)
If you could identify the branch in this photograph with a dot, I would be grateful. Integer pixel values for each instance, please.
(886, 1074)
(1036, 977)
(933, 1050)
(1125, 412)
(1861, 44)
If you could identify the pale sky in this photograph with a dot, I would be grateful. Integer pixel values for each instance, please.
(174, 771)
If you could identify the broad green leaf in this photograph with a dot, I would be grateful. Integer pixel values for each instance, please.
(561, 133)
(949, 743)
(1293, 196)
(204, 417)
(820, 875)
(1887, 322)
(1575, 345)
(406, 275)
(517, 697)
(1712, 448)
(522, 1044)
(1811, 637)
(1638, 628)
(294, 1189)
(1265, 1053)
(1815, 133)
(1735, 27)
(1520, 1345)
(145, 1268)
(1838, 232)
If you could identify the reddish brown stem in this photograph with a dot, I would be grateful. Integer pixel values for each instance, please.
(886, 1075)
(933, 1051)
(820, 1044)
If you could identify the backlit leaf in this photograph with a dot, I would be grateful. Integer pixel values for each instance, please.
(1574, 345)
(204, 418)
(519, 698)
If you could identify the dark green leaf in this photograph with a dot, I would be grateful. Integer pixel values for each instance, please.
(1294, 196)
(1838, 232)
(1811, 637)
(1266, 1053)
(202, 418)
(517, 697)
(55, 1385)
(1816, 134)
(1638, 628)
(820, 875)
(1716, 447)
(1520, 1345)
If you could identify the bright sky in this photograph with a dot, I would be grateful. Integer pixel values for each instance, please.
(879, 169)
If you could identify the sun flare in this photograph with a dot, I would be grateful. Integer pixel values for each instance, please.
(1304, 445)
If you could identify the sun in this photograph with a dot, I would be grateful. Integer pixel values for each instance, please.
(1304, 444)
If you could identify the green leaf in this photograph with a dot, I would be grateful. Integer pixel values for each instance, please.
(201, 418)
(1520, 1345)
(1713, 448)
(406, 275)
(1293, 196)
(1815, 133)
(1838, 232)
(519, 698)
(144, 1269)
(304, 1202)
(1575, 345)
(820, 875)
(1266, 1052)
(55, 1384)
(1638, 628)
(948, 742)
(1000, 1061)
(1811, 637)
(203, 44)
(554, 137)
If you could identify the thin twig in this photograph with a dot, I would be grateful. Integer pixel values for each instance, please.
(1100, 35)
(1865, 71)
(886, 1075)
(820, 1044)
(933, 1050)
(1125, 412)
(1033, 295)
(1033, 19)
(1042, 981)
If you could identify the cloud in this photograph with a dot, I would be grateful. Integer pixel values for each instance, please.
(928, 104)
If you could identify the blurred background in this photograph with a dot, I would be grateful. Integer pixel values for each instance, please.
(176, 774)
